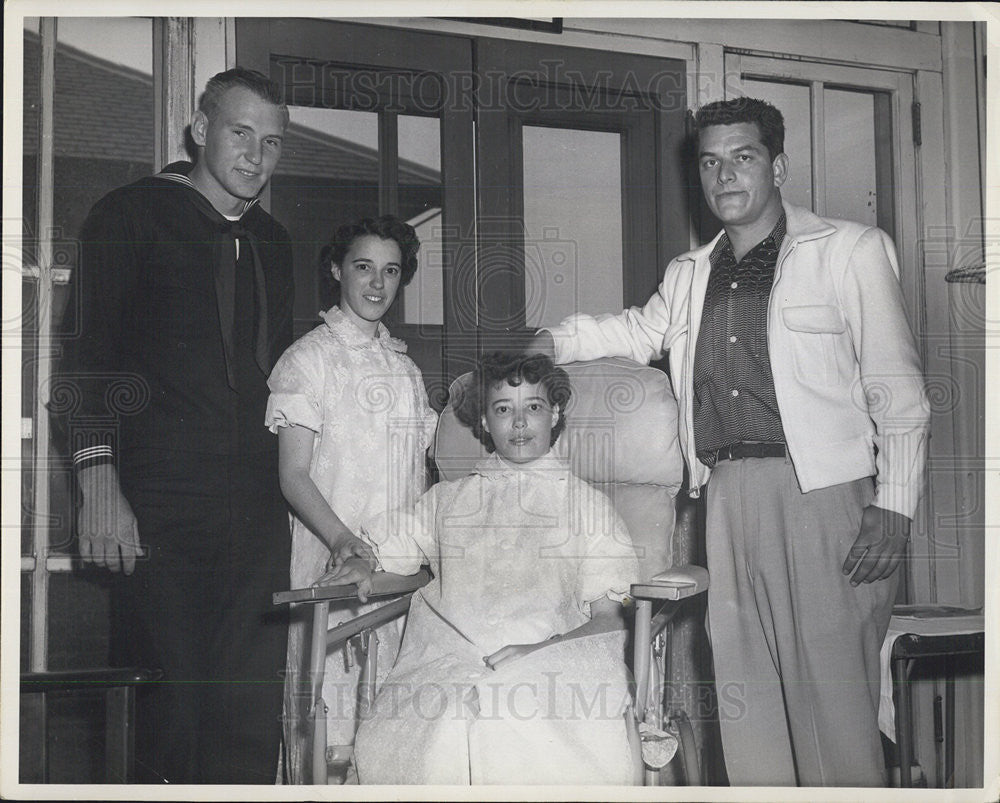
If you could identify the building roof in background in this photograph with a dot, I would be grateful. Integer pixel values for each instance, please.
(105, 111)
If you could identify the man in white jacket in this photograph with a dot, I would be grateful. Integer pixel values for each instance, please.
(803, 409)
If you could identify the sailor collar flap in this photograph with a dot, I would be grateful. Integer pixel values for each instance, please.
(178, 173)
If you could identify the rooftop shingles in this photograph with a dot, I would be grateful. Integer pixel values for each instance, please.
(105, 111)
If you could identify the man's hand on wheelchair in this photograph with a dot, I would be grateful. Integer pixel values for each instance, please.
(542, 343)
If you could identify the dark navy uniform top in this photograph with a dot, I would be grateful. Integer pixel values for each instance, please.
(145, 364)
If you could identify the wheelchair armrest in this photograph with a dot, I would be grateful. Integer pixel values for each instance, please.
(384, 584)
(675, 583)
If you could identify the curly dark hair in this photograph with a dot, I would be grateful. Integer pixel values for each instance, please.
(766, 117)
(386, 227)
(512, 368)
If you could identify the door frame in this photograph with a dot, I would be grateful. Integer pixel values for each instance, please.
(919, 166)
(271, 45)
(899, 86)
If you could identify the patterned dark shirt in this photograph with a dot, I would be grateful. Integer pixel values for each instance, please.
(734, 398)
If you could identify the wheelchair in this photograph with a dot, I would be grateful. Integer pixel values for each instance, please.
(620, 437)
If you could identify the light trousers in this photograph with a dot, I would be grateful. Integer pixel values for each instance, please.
(795, 646)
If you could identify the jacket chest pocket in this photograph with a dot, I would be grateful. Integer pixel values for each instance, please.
(820, 344)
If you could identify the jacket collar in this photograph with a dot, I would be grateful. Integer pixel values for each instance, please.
(800, 225)
(347, 331)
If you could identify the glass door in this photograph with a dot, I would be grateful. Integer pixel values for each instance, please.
(572, 199)
(375, 129)
(581, 186)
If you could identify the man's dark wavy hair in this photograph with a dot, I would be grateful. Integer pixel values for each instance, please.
(766, 117)
(513, 369)
(386, 227)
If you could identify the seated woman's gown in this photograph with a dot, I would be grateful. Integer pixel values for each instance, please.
(518, 555)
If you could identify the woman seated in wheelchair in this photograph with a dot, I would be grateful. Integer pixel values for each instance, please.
(512, 664)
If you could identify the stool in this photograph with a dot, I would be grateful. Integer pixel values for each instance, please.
(918, 632)
(118, 686)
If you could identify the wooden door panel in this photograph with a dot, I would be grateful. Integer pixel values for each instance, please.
(386, 72)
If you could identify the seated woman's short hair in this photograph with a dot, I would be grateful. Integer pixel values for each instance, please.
(511, 368)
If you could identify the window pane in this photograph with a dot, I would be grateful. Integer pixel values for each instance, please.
(30, 132)
(421, 198)
(103, 111)
(103, 138)
(29, 226)
(103, 122)
(850, 155)
(793, 102)
(572, 222)
(327, 176)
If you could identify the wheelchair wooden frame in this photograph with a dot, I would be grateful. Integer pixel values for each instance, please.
(669, 589)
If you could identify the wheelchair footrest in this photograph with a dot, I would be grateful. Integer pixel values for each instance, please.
(658, 746)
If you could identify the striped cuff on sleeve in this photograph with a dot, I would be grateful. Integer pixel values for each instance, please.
(93, 456)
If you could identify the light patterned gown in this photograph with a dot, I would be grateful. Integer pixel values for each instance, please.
(518, 555)
(365, 400)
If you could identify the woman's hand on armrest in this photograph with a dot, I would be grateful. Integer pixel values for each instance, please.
(350, 546)
(353, 570)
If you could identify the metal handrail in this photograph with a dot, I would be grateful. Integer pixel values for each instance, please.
(76, 679)
(118, 685)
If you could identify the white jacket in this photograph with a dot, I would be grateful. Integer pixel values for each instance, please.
(846, 370)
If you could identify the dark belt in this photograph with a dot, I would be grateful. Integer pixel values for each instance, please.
(739, 451)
